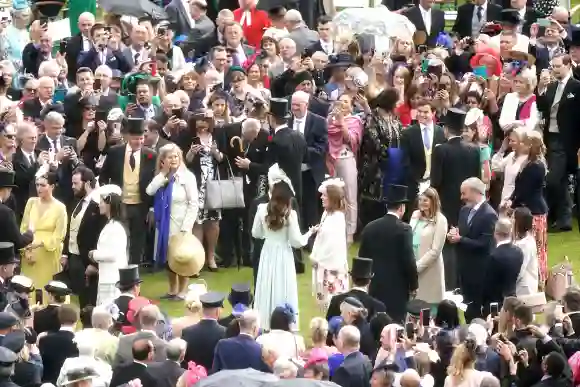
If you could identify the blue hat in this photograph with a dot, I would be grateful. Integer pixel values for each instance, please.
(334, 325)
(212, 300)
(7, 357)
(14, 341)
(239, 309)
(7, 320)
(19, 5)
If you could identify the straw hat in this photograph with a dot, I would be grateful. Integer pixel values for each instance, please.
(185, 255)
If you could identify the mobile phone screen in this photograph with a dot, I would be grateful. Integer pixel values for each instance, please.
(425, 317)
(493, 309)
(38, 296)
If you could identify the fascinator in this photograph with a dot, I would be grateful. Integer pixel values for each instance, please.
(115, 114)
(130, 82)
(457, 299)
(444, 40)
(239, 309)
(336, 181)
(334, 325)
(288, 311)
(473, 116)
(277, 175)
(194, 373)
(104, 191)
(42, 171)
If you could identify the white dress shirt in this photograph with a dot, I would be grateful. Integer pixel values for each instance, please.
(327, 47)
(86, 43)
(186, 6)
(426, 14)
(137, 155)
(30, 157)
(142, 55)
(299, 124)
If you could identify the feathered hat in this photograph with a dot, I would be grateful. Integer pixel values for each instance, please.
(277, 175)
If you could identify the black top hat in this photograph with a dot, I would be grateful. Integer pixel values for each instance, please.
(7, 179)
(129, 276)
(510, 16)
(396, 194)
(240, 294)
(50, 8)
(575, 36)
(455, 118)
(340, 60)
(279, 107)
(7, 253)
(361, 268)
(135, 126)
(57, 288)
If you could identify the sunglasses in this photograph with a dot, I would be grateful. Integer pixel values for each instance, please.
(30, 89)
(9, 136)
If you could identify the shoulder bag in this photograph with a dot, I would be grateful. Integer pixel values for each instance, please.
(224, 194)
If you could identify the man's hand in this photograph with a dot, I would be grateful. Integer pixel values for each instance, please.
(102, 125)
(453, 235)
(534, 30)
(536, 332)
(242, 163)
(130, 109)
(63, 260)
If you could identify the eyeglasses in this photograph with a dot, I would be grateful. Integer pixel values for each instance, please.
(9, 136)
(30, 89)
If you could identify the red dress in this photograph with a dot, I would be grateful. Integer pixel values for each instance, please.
(254, 30)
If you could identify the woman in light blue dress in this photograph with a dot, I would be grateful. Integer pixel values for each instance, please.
(277, 223)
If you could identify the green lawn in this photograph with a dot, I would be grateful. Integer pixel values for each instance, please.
(559, 245)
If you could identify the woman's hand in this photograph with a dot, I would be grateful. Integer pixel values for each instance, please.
(29, 256)
(102, 126)
(165, 168)
(214, 150)
(195, 148)
(504, 351)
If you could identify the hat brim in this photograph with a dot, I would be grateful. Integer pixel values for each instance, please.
(187, 268)
(69, 382)
(133, 283)
(59, 291)
(517, 55)
(400, 201)
(339, 64)
(245, 299)
(8, 186)
(361, 276)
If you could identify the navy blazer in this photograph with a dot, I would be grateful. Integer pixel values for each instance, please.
(474, 248)
(316, 136)
(502, 272)
(355, 371)
(115, 60)
(238, 353)
(529, 188)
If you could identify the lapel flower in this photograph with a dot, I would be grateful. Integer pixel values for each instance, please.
(149, 156)
(270, 138)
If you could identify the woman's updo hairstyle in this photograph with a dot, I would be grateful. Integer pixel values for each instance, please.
(50, 176)
(318, 329)
(279, 206)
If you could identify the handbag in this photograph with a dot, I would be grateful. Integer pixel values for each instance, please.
(560, 278)
(224, 194)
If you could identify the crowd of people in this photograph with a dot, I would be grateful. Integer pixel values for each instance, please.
(270, 140)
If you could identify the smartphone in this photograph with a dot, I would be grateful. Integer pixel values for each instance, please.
(424, 65)
(43, 21)
(425, 317)
(62, 46)
(400, 333)
(410, 330)
(59, 95)
(176, 113)
(480, 71)
(544, 22)
(97, 84)
(101, 116)
(108, 29)
(38, 296)
(494, 309)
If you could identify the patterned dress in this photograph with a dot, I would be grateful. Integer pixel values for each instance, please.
(208, 172)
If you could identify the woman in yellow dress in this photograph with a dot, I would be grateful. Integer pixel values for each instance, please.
(46, 217)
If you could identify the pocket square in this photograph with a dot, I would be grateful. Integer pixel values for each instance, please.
(112, 59)
(570, 95)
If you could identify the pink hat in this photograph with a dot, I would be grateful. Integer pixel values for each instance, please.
(317, 355)
(487, 52)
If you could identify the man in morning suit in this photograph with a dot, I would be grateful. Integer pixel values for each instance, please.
(58, 346)
(103, 52)
(46, 319)
(356, 369)
(8, 262)
(8, 223)
(472, 16)
(240, 294)
(132, 168)
(242, 351)
(451, 163)
(558, 102)
(84, 226)
(427, 19)
(203, 337)
(167, 372)
(315, 132)
(473, 240)
(361, 274)
(148, 318)
(504, 264)
(7, 360)
(26, 161)
(288, 147)
(130, 286)
(79, 43)
(417, 142)
(389, 243)
(142, 352)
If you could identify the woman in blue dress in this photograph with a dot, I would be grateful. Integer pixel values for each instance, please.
(381, 157)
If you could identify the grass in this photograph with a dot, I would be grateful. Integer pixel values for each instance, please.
(155, 285)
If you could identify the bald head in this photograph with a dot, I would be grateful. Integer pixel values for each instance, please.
(472, 191)
(86, 22)
(410, 378)
(300, 104)
(561, 15)
(45, 82)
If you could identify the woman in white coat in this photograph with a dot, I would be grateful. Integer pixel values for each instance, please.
(329, 252)
(175, 208)
(429, 231)
(111, 251)
(528, 279)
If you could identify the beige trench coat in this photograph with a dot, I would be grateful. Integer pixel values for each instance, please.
(430, 260)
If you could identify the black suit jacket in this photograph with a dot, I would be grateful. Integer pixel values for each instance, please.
(414, 154)
(55, 348)
(530, 17)
(474, 248)
(389, 243)
(63, 191)
(125, 373)
(355, 371)
(502, 272)
(73, 51)
(372, 305)
(566, 117)
(316, 136)
(165, 373)
(452, 163)
(288, 148)
(46, 319)
(112, 170)
(122, 303)
(11, 229)
(23, 179)
(32, 58)
(115, 60)
(31, 108)
(202, 339)
(529, 188)
(464, 19)
(437, 23)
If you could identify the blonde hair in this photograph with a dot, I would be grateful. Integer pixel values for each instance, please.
(166, 150)
(463, 359)
(318, 330)
(396, 52)
(529, 77)
(192, 303)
